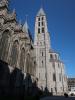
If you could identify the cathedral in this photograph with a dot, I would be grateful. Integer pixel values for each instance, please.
(36, 58)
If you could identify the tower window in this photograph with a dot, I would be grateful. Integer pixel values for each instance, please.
(43, 31)
(42, 18)
(54, 77)
(42, 63)
(34, 62)
(42, 23)
(39, 19)
(38, 30)
(51, 56)
(38, 23)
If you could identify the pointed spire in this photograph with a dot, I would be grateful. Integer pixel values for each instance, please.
(26, 29)
(42, 4)
(25, 26)
(14, 11)
(41, 12)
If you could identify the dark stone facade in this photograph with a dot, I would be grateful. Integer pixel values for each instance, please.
(14, 84)
(16, 44)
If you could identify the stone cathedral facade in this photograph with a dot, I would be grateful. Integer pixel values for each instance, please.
(16, 46)
(38, 59)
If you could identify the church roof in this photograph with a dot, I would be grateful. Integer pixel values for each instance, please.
(41, 12)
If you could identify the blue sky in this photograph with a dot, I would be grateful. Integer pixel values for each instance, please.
(61, 25)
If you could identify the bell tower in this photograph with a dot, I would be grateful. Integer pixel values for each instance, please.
(42, 47)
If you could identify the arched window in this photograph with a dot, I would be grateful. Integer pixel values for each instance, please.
(22, 58)
(14, 54)
(4, 45)
(28, 64)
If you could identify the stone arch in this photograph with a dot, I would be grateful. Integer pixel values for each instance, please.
(14, 54)
(22, 58)
(4, 45)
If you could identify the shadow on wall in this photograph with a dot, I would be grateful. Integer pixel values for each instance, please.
(14, 86)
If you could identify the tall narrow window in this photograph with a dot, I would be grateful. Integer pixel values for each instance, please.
(39, 19)
(42, 62)
(43, 30)
(38, 30)
(42, 53)
(14, 54)
(42, 23)
(4, 45)
(51, 56)
(22, 58)
(38, 23)
(42, 18)
(54, 77)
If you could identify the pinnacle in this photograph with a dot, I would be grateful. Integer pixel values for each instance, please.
(41, 12)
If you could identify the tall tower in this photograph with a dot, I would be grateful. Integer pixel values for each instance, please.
(42, 47)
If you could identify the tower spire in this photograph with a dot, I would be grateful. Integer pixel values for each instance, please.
(41, 11)
(26, 18)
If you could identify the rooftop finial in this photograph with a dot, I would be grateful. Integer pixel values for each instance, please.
(41, 3)
(26, 18)
(41, 11)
